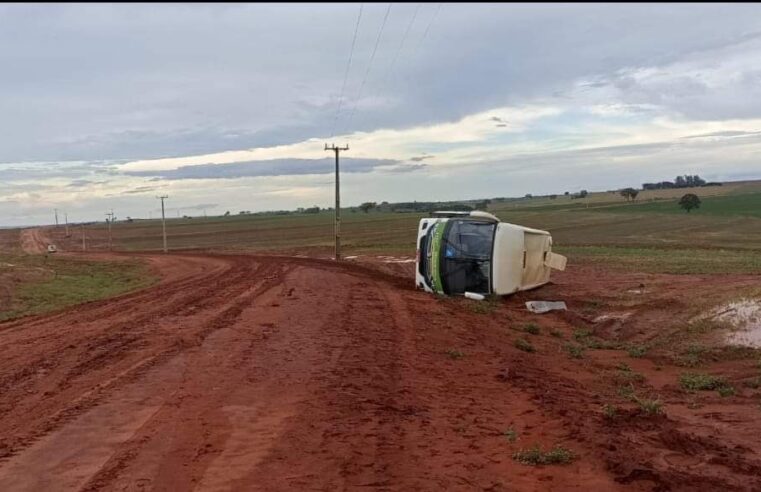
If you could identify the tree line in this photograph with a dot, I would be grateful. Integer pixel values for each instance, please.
(685, 181)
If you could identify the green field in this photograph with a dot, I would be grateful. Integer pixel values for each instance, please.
(33, 284)
(746, 205)
(723, 235)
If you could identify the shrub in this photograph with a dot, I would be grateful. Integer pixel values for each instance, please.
(532, 328)
(700, 382)
(524, 345)
(535, 456)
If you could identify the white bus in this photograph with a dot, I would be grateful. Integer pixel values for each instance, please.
(460, 252)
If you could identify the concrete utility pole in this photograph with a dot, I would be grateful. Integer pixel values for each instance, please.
(163, 219)
(66, 215)
(84, 240)
(337, 226)
(56, 217)
(109, 220)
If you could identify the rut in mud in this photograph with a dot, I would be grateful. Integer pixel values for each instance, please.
(267, 373)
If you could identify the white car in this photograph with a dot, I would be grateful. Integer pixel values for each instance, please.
(459, 252)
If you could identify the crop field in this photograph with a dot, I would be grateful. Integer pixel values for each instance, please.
(730, 223)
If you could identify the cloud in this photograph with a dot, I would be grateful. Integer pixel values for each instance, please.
(273, 167)
(243, 93)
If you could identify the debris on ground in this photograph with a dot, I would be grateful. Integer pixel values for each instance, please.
(474, 296)
(541, 307)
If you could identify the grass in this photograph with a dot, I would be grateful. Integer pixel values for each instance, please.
(609, 411)
(42, 284)
(581, 335)
(525, 345)
(649, 407)
(746, 205)
(692, 357)
(575, 351)
(533, 456)
(626, 391)
(531, 328)
(487, 306)
(556, 333)
(701, 382)
(706, 382)
(511, 435)
(669, 260)
(455, 354)
(722, 237)
(629, 376)
(636, 351)
(754, 383)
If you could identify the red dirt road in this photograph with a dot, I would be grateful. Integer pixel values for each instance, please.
(266, 373)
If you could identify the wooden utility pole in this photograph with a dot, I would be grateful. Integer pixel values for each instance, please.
(84, 240)
(163, 220)
(337, 226)
(66, 215)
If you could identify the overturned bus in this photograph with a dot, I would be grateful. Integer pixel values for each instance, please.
(459, 252)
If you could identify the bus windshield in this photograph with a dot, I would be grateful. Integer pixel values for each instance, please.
(466, 252)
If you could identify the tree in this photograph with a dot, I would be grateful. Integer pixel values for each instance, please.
(689, 201)
(367, 206)
(227, 214)
(629, 193)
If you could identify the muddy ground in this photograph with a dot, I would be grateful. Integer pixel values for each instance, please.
(245, 372)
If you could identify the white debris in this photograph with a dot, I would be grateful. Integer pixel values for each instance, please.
(474, 296)
(545, 306)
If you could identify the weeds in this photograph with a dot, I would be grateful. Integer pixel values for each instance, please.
(636, 351)
(455, 354)
(531, 328)
(535, 456)
(556, 333)
(483, 307)
(726, 390)
(581, 335)
(629, 376)
(511, 435)
(609, 411)
(626, 391)
(692, 357)
(700, 382)
(649, 407)
(524, 345)
(575, 351)
(754, 383)
(706, 382)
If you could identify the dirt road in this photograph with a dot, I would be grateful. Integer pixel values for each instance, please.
(263, 373)
(34, 240)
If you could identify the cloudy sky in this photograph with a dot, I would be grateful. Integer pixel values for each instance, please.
(228, 107)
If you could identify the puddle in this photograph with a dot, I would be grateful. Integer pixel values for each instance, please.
(745, 316)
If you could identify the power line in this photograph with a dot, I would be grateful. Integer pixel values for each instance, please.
(369, 66)
(346, 72)
(391, 66)
(401, 44)
(428, 27)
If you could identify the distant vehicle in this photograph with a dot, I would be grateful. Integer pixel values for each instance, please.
(52, 248)
(460, 252)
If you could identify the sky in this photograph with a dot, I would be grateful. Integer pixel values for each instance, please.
(229, 106)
